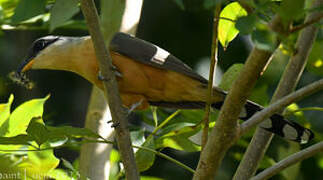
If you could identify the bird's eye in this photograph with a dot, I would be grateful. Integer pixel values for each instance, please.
(39, 45)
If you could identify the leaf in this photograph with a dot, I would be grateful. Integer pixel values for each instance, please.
(137, 138)
(70, 132)
(246, 24)
(145, 159)
(39, 162)
(264, 39)
(61, 12)
(37, 130)
(230, 76)
(27, 9)
(227, 29)
(180, 4)
(179, 139)
(22, 115)
(21, 139)
(59, 174)
(290, 10)
(315, 59)
(4, 115)
(179, 143)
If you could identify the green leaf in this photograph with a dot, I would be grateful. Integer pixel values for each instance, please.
(8, 7)
(180, 4)
(21, 139)
(179, 139)
(39, 162)
(22, 115)
(27, 9)
(315, 60)
(61, 12)
(290, 10)
(59, 174)
(230, 76)
(145, 159)
(264, 39)
(246, 24)
(37, 130)
(179, 143)
(228, 16)
(70, 132)
(137, 137)
(4, 115)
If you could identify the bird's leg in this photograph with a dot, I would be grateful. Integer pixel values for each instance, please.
(114, 69)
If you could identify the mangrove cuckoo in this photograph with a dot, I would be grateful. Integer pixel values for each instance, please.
(145, 73)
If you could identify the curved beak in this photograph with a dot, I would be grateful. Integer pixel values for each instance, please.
(25, 65)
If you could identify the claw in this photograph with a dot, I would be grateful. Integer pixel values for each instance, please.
(116, 73)
(114, 125)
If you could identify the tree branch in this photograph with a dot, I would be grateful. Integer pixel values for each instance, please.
(226, 131)
(111, 90)
(278, 105)
(293, 159)
(293, 71)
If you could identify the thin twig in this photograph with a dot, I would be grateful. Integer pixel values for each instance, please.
(111, 90)
(214, 61)
(308, 23)
(278, 105)
(293, 159)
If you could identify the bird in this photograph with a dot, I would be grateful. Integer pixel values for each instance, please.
(147, 74)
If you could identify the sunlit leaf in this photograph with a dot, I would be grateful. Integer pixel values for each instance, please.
(61, 12)
(39, 162)
(4, 115)
(22, 115)
(228, 16)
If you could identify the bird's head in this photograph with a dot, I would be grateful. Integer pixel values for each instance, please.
(38, 50)
(53, 52)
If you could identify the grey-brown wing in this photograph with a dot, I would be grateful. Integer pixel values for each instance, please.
(150, 54)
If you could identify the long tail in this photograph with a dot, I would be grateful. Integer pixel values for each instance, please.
(276, 124)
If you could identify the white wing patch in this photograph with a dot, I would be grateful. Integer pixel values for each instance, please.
(160, 56)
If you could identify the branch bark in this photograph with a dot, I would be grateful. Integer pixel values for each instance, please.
(289, 161)
(226, 131)
(293, 71)
(111, 90)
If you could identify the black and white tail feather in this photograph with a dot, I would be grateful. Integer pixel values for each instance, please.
(276, 124)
